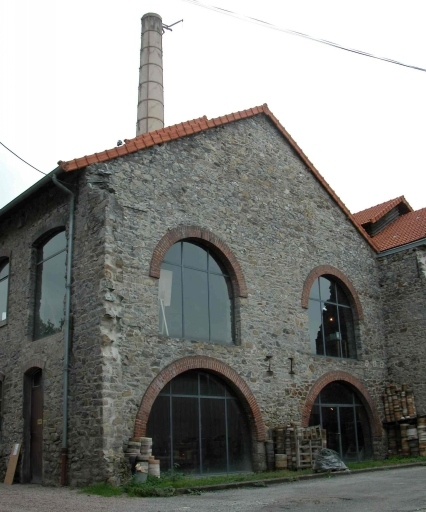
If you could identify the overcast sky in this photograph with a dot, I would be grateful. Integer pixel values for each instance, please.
(69, 79)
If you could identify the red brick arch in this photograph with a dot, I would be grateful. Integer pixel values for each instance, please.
(224, 253)
(328, 270)
(356, 385)
(212, 365)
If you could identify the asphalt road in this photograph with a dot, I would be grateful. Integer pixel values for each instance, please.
(397, 490)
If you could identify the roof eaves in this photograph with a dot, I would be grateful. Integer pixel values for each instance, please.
(399, 248)
(30, 191)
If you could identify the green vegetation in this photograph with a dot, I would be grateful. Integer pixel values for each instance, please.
(387, 462)
(103, 489)
(172, 480)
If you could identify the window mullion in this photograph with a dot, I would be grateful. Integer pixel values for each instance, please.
(226, 431)
(324, 347)
(200, 427)
(182, 289)
(208, 294)
(50, 257)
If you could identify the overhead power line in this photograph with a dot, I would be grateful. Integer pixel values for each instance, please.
(25, 162)
(300, 34)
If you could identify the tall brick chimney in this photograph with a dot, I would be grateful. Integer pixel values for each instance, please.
(151, 96)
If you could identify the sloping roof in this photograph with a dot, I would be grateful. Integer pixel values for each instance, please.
(195, 126)
(404, 230)
(374, 213)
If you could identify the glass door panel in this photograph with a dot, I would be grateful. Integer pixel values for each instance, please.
(186, 434)
(330, 421)
(364, 435)
(159, 429)
(348, 434)
(238, 438)
(213, 435)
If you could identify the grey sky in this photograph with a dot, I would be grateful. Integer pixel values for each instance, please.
(70, 76)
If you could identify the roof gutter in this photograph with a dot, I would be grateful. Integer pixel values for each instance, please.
(38, 185)
(412, 245)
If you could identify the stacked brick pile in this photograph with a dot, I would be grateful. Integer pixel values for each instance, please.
(398, 402)
(407, 437)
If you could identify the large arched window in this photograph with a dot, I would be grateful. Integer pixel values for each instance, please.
(331, 322)
(50, 286)
(341, 413)
(195, 295)
(198, 425)
(4, 288)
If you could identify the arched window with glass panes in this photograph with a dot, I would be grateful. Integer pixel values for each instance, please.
(4, 288)
(331, 320)
(195, 295)
(50, 286)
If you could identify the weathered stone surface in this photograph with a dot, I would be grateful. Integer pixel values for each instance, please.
(242, 183)
(403, 281)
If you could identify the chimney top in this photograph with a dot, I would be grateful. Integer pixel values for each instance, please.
(151, 95)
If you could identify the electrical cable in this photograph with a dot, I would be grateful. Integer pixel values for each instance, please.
(299, 34)
(25, 162)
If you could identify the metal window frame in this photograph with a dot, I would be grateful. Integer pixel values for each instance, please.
(209, 272)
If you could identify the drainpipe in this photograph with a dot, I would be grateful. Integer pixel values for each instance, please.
(67, 330)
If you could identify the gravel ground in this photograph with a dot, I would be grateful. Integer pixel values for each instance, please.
(397, 490)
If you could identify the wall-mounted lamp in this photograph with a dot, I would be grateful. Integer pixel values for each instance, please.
(291, 372)
(269, 371)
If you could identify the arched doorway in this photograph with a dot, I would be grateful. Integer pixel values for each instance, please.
(339, 410)
(199, 426)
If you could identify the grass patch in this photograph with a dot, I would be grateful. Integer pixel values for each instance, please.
(182, 480)
(169, 481)
(387, 462)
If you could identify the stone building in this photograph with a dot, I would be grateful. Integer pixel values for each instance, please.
(399, 234)
(219, 285)
(201, 284)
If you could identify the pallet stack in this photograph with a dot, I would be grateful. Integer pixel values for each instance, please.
(296, 447)
(309, 441)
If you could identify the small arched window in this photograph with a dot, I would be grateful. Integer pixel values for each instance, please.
(195, 295)
(331, 321)
(4, 288)
(50, 286)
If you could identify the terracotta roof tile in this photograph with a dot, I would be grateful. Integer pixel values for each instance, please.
(147, 140)
(404, 230)
(374, 213)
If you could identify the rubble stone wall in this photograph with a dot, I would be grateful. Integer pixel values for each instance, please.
(248, 191)
(403, 278)
(20, 353)
(246, 186)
